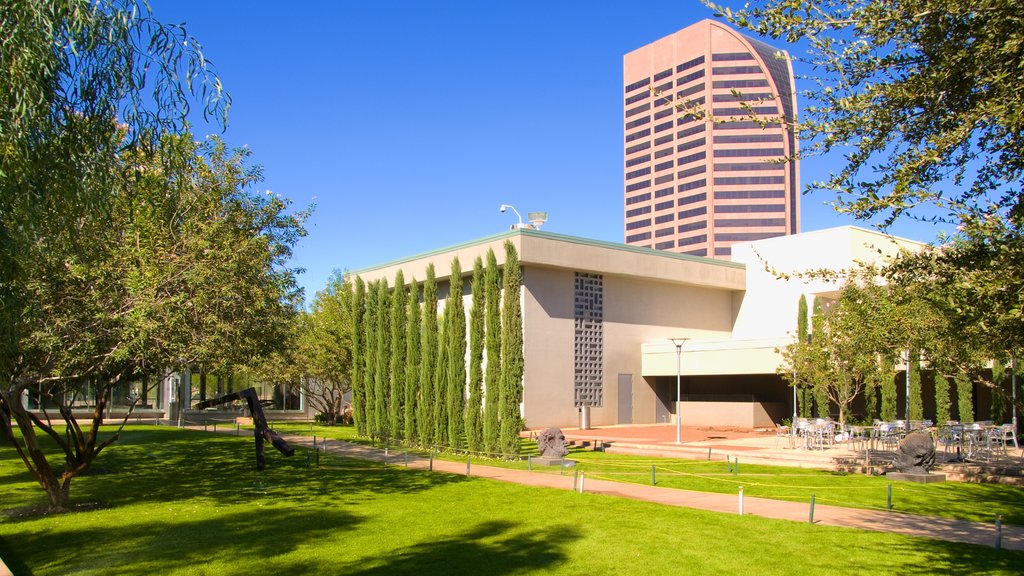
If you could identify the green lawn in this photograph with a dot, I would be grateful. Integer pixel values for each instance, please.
(965, 501)
(181, 502)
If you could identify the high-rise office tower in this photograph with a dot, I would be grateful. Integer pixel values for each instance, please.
(704, 145)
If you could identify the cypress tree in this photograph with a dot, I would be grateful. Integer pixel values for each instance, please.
(492, 378)
(916, 401)
(380, 372)
(964, 393)
(474, 415)
(998, 408)
(396, 393)
(428, 349)
(358, 357)
(803, 392)
(942, 404)
(412, 365)
(511, 356)
(441, 380)
(871, 400)
(370, 358)
(820, 395)
(888, 391)
(456, 341)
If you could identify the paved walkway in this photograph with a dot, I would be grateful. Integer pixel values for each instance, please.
(754, 447)
(908, 524)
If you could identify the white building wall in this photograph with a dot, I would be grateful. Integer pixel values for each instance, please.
(777, 274)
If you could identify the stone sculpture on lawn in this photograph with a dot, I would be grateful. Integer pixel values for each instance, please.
(551, 444)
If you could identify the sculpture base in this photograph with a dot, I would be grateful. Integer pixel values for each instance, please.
(541, 461)
(919, 478)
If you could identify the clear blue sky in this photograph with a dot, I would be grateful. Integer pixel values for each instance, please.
(409, 123)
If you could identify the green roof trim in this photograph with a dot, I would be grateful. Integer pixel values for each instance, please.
(557, 238)
(634, 249)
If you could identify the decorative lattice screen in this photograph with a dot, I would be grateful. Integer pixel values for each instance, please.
(589, 339)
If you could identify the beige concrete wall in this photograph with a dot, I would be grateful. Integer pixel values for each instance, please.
(737, 414)
(548, 350)
(634, 312)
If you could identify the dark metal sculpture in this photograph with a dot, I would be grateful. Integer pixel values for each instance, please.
(262, 431)
(916, 454)
(551, 443)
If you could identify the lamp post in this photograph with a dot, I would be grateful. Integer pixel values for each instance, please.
(1013, 391)
(908, 390)
(678, 342)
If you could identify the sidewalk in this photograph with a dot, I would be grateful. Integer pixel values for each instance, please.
(894, 522)
(753, 447)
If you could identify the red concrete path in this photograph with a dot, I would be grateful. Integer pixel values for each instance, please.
(907, 524)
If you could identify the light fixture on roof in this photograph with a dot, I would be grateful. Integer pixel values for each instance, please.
(536, 219)
(520, 224)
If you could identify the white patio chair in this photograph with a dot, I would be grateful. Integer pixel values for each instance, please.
(781, 432)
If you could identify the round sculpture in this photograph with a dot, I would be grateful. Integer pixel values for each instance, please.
(916, 454)
(551, 443)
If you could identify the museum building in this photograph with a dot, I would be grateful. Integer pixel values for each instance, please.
(601, 321)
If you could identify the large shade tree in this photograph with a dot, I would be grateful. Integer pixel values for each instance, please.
(182, 266)
(850, 347)
(321, 354)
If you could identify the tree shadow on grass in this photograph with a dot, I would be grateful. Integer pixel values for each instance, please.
(245, 538)
(173, 465)
(491, 548)
(943, 558)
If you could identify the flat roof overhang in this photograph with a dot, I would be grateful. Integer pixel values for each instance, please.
(713, 358)
(546, 249)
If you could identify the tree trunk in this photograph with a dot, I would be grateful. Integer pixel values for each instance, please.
(57, 493)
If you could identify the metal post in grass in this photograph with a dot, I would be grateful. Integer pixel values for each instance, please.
(654, 480)
(999, 531)
(238, 428)
(406, 458)
(317, 457)
(529, 462)
(467, 465)
(214, 425)
(741, 500)
(575, 478)
(736, 467)
(709, 454)
(810, 518)
(888, 497)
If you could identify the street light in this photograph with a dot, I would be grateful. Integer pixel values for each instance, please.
(679, 397)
